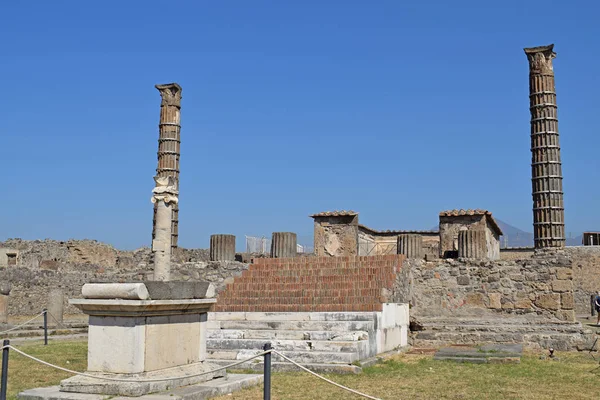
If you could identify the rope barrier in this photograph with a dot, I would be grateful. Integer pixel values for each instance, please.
(55, 320)
(193, 375)
(323, 378)
(23, 324)
(133, 380)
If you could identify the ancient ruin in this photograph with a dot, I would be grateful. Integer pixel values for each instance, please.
(546, 171)
(330, 310)
(169, 143)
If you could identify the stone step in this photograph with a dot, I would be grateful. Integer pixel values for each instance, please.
(339, 326)
(360, 347)
(327, 357)
(286, 335)
(284, 366)
(292, 316)
(511, 328)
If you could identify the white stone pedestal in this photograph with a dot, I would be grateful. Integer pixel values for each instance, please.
(141, 340)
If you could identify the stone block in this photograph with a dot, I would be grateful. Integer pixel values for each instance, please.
(171, 290)
(475, 300)
(548, 301)
(56, 299)
(494, 300)
(3, 309)
(567, 301)
(463, 280)
(566, 315)
(564, 273)
(523, 303)
(562, 286)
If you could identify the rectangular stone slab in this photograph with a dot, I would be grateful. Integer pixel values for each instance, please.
(179, 290)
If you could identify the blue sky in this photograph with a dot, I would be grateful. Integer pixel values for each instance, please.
(395, 109)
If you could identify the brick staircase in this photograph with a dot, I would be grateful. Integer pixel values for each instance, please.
(326, 313)
(312, 284)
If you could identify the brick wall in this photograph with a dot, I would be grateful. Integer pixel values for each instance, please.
(352, 283)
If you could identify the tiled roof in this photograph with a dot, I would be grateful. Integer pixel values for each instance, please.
(461, 212)
(395, 232)
(341, 213)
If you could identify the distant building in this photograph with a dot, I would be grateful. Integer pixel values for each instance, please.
(591, 239)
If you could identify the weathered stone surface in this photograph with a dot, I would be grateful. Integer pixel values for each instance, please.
(567, 301)
(336, 234)
(284, 245)
(3, 309)
(56, 300)
(463, 280)
(179, 290)
(562, 286)
(222, 247)
(548, 301)
(494, 300)
(411, 245)
(128, 291)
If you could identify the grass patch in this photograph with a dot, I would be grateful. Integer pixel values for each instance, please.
(24, 373)
(400, 377)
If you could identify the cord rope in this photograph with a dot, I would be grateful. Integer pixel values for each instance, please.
(23, 324)
(323, 378)
(194, 375)
(132, 380)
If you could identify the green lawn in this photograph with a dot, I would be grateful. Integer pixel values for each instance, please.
(400, 377)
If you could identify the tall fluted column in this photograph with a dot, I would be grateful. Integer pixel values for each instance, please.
(546, 170)
(284, 245)
(164, 197)
(472, 244)
(411, 245)
(169, 141)
(222, 247)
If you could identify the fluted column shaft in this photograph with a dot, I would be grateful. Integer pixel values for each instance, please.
(284, 245)
(169, 141)
(222, 247)
(546, 168)
(472, 244)
(411, 245)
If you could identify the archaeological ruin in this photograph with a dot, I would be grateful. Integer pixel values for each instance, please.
(363, 292)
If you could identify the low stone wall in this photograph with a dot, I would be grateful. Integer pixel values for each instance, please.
(540, 287)
(586, 275)
(49, 264)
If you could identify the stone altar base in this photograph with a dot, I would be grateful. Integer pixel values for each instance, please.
(148, 339)
(217, 387)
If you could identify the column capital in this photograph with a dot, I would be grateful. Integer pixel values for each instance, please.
(165, 190)
(170, 94)
(540, 59)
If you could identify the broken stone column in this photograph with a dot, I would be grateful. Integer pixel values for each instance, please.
(546, 167)
(55, 307)
(4, 292)
(472, 244)
(411, 245)
(169, 143)
(284, 245)
(222, 247)
(165, 197)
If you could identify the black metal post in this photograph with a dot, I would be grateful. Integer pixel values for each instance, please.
(45, 327)
(267, 373)
(4, 378)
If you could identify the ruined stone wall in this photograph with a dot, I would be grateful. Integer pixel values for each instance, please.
(336, 236)
(48, 264)
(541, 287)
(449, 227)
(492, 241)
(586, 275)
